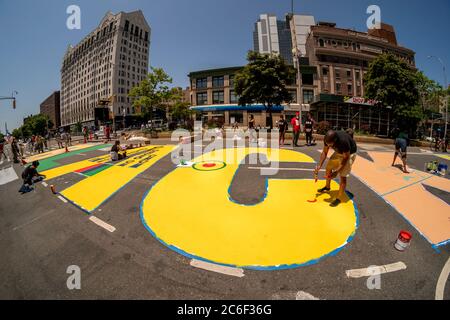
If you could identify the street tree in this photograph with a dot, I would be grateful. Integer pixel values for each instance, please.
(178, 108)
(151, 92)
(392, 82)
(264, 80)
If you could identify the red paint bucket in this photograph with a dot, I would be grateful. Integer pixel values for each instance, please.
(403, 241)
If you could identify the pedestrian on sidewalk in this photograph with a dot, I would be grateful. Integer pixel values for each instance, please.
(340, 162)
(282, 127)
(296, 129)
(59, 140)
(15, 150)
(309, 125)
(251, 129)
(2, 151)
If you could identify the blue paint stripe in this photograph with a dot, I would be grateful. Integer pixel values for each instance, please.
(404, 187)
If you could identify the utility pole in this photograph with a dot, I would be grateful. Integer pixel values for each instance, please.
(445, 90)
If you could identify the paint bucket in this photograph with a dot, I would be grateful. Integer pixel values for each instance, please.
(442, 168)
(403, 241)
(52, 187)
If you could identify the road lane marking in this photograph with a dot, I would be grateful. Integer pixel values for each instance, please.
(442, 280)
(62, 199)
(302, 295)
(33, 220)
(375, 270)
(235, 272)
(102, 224)
(44, 184)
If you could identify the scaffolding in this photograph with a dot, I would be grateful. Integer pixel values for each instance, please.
(362, 118)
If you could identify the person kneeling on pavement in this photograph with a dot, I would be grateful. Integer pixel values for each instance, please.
(340, 162)
(30, 176)
(117, 153)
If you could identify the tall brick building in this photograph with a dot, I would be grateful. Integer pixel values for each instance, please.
(51, 108)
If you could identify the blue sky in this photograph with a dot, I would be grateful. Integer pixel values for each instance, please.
(188, 35)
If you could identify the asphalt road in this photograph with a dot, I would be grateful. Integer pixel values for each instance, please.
(40, 236)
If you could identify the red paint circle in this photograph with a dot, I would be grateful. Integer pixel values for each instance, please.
(209, 165)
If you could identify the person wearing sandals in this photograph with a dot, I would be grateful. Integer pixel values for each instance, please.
(340, 162)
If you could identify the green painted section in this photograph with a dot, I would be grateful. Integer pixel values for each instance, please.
(51, 162)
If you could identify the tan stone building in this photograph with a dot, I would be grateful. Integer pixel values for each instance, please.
(339, 59)
(106, 64)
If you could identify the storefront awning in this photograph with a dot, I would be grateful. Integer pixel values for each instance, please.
(235, 107)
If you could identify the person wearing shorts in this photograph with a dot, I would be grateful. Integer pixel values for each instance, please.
(340, 162)
(401, 146)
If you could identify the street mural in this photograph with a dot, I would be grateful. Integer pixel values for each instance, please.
(191, 211)
(103, 178)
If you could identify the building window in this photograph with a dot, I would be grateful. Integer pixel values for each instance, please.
(231, 82)
(321, 43)
(202, 83)
(324, 71)
(349, 74)
(338, 87)
(233, 97)
(293, 94)
(218, 97)
(349, 89)
(308, 96)
(338, 74)
(202, 98)
(307, 79)
(217, 82)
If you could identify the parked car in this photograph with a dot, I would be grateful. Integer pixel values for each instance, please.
(157, 124)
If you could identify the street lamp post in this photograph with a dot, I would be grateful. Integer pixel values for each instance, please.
(297, 54)
(445, 88)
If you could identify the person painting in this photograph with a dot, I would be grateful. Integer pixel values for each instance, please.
(401, 146)
(309, 124)
(282, 127)
(295, 122)
(30, 176)
(117, 153)
(340, 162)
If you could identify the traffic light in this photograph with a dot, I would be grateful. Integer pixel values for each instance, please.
(14, 103)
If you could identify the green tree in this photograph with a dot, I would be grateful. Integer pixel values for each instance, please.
(33, 125)
(78, 127)
(430, 93)
(394, 83)
(264, 80)
(151, 92)
(179, 109)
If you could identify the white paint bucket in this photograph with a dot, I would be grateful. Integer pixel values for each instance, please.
(403, 241)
